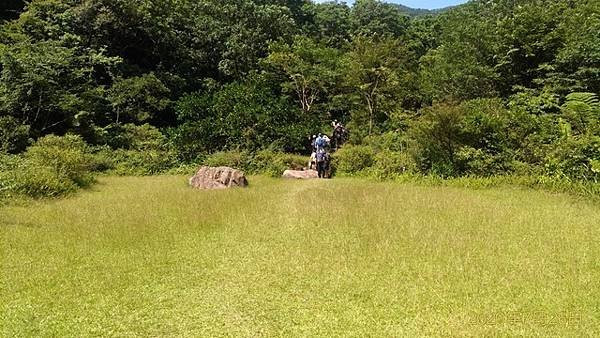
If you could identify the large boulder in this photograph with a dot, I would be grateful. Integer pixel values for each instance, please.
(218, 178)
(301, 174)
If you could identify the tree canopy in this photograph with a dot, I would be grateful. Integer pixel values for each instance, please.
(214, 75)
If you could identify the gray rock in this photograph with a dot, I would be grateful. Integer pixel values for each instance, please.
(210, 178)
(301, 174)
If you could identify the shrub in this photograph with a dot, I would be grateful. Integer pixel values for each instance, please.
(576, 158)
(53, 166)
(477, 161)
(389, 164)
(37, 182)
(233, 159)
(66, 156)
(267, 162)
(134, 162)
(7, 165)
(240, 115)
(274, 163)
(470, 138)
(352, 159)
(436, 138)
(139, 99)
(135, 150)
(133, 137)
(392, 141)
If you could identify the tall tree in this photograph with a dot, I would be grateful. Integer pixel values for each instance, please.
(309, 70)
(377, 72)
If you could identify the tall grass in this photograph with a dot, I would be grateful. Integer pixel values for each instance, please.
(347, 257)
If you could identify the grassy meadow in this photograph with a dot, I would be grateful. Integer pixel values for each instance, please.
(344, 257)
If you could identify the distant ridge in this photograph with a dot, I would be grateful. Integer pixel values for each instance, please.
(420, 11)
(413, 12)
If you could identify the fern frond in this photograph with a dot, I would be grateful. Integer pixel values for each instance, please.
(590, 99)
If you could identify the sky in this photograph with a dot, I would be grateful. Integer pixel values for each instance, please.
(427, 4)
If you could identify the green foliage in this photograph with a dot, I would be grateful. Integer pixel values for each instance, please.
(378, 19)
(67, 156)
(331, 23)
(233, 159)
(393, 141)
(274, 163)
(240, 115)
(31, 180)
(135, 150)
(352, 159)
(14, 137)
(582, 112)
(576, 158)
(485, 88)
(577, 153)
(578, 60)
(50, 85)
(437, 139)
(389, 164)
(53, 166)
(378, 71)
(470, 138)
(138, 99)
(134, 137)
(267, 162)
(310, 70)
(135, 162)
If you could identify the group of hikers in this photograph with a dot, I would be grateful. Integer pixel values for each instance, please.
(322, 144)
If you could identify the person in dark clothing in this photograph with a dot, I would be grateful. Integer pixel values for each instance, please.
(322, 164)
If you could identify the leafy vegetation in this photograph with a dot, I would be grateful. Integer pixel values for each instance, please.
(51, 167)
(483, 89)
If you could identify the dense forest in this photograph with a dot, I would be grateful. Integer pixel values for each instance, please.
(486, 88)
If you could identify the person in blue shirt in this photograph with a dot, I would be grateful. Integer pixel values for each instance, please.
(320, 143)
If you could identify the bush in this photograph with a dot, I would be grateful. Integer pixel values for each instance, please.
(233, 159)
(389, 164)
(133, 137)
(470, 138)
(135, 150)
(67, 156)
(53, 166)
(240, 115)
(435, 138)
(576, 158)
(274, 163)
(392, 141)
(36, 182)
(477, 161)
(352, 159)
(134, 162)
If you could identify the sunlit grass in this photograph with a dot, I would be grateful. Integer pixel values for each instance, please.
(151, 257)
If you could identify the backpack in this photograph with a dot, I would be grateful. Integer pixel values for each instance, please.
(321, 142)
